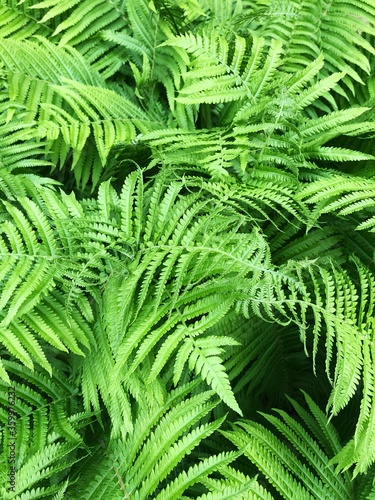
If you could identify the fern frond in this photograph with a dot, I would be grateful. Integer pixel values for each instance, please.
(214, 78)
(316, 127)
(152, 63)
(168, 289)
(178, 13)
(15, 23)
(96, 372)
(336, 28)
(298, 468)
(46, 275)
(336, 154)
(48, 64)
(76, 22)
(259, 131)
(46, 435)
(205, 360)
(343, 195)
(235, 485)
(163, 436)
(109, 117)
(18, 149)
(65, 95)
(199, 473)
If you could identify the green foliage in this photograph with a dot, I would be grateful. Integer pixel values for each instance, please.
(298, 464)
(187, 214)
(48, 434)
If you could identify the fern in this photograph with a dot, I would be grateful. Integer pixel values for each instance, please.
(67, 17)
(62, 85)
(47, 432)
(178, 278)
(43, 274)
(297, 466)
(19, 24)
(343, 195)
(257, 130)
(309, 26)
(162, 436)
(186, 232)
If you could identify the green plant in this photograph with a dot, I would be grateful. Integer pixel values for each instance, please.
(187, 242)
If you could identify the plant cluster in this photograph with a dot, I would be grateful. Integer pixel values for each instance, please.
(187, 279)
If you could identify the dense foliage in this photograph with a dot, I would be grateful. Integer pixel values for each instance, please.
(187, 279)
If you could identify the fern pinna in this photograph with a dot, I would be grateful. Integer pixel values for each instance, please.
(187, 237)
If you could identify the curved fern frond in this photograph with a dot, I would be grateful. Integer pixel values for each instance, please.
(162, 437)
(76, 22)
(296, 464)
(65, 95)
(46, 431)
(337, 28)
(343, 195)
(15, 23)
(214, 78)
(338, 303)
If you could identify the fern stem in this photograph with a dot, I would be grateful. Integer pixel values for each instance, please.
(205, 116)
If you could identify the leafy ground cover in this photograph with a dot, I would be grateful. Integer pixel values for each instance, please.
(187, 280)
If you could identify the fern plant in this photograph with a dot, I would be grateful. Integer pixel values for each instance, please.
(298, 465)
(187, 241)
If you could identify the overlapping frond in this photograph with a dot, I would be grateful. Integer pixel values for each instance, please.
(337, 305)
(47, 274)
(77, 22)
(171, 293)
(162, 437)
(64, 100)
(295, 459)
(156, 68)
(224, 264)
(180, 276)
(42, 423)
(222, 71)
(343, 195)
(256, 130)
(337, 28)
(17, 24)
